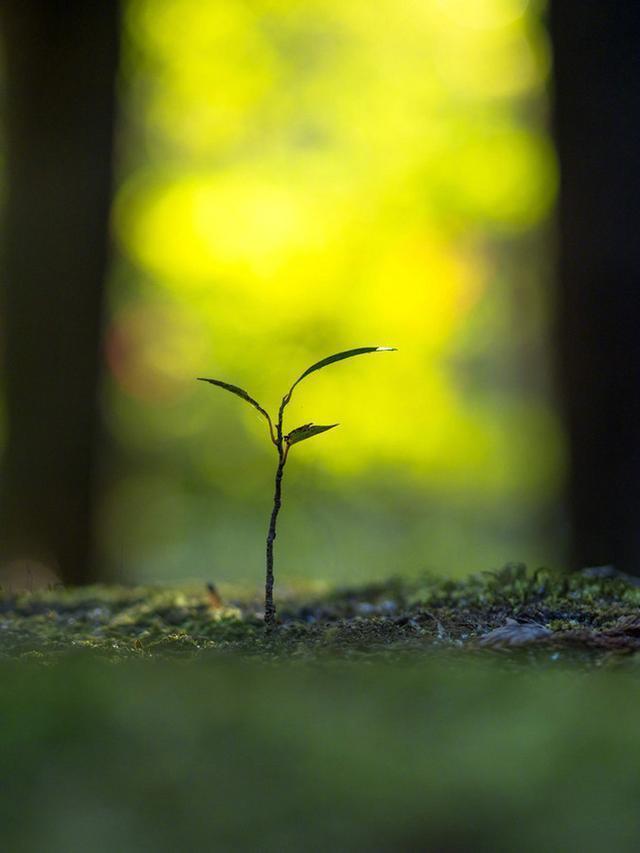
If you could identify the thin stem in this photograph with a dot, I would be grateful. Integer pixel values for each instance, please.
(271, 432)
(283, 405)
(269, 607)
(283, 452)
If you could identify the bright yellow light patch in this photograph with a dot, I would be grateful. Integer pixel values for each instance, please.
(331, 174)
(484, 14)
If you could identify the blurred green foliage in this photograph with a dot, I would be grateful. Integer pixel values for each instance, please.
(297, 179)
(230, 756)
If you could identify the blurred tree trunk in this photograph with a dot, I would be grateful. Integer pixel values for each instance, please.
(597, 126)
(61, 60)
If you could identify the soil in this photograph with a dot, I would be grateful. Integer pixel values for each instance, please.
(592, 617)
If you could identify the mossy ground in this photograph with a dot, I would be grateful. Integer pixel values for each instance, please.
(549, 617)
(386, 718)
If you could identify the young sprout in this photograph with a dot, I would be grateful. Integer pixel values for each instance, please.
(283, 444)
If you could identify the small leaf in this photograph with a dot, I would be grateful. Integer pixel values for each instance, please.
(339, 356)
(240, 392)
(305, 431)
(330, 359)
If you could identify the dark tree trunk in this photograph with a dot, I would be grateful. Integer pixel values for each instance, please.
(597, 125)
(61, 60)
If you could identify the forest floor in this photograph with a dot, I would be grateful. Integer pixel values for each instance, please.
(591, 618)
(495, 713)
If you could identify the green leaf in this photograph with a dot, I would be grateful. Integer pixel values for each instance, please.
(330, 359)
(339, 356)
(240, 392)
(302, 433)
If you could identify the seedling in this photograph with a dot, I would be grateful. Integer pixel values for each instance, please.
(283, 444)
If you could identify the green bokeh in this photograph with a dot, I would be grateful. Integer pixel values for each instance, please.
(230, 756)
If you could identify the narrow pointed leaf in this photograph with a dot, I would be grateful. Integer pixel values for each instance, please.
(305, 431)
(239, 392)
(339, 356)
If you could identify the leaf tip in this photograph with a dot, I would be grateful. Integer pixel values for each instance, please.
(386, 349)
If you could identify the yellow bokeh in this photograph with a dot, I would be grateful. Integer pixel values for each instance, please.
(484, 14)
(324, 175)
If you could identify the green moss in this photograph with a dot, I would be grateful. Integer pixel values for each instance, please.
(589, 615)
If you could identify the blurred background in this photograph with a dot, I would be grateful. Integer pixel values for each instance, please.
(292, 179)
(236, 190)
(295, 179)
